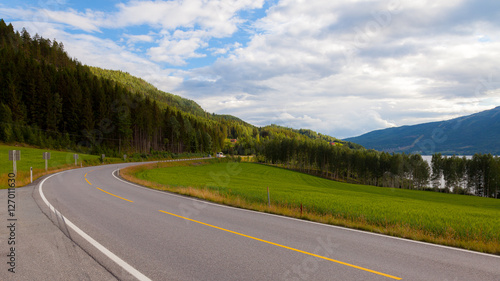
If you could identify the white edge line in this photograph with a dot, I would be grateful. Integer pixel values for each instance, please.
(91, 240)
(310, 222)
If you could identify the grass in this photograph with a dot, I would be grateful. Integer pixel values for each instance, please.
(32, 157)
(455, 220)
(60, 161)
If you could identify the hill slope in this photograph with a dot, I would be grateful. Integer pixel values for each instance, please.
(140, 87)
(137, 85)
(476, 133)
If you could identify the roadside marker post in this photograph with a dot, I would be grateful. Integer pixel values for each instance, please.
(46, 156)
(31, 174)
(76, 158)
(268, 197)
(14, 155)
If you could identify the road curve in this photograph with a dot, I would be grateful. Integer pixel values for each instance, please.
(141, 234)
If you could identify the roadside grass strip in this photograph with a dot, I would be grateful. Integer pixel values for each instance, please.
(32, 158)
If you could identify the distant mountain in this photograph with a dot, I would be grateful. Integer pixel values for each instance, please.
(476, 133)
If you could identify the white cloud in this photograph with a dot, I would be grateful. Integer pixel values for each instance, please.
(338, 67)
(132, 39)
(87, 21)
(176, 51)
(200, 20)
(296, 60)
(225, 49)
(192, 23)
(218, 17)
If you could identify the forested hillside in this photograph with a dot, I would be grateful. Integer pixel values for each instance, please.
(50, 100)
(139, 86)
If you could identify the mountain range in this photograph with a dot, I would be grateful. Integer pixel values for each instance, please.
(466, 135)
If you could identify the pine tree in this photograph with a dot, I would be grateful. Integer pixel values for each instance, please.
(15, 104)
(5, 123)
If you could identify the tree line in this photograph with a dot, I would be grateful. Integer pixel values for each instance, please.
(345, 164)
(478, 175)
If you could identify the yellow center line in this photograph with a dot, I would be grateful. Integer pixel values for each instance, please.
(105, 190)
(114, 195)
(286, 247)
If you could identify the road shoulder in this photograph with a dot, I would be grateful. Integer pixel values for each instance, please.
(42, 251)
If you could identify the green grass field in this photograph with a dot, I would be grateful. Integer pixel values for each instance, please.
(456, 220)
(32, 157)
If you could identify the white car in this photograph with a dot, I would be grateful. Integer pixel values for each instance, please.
(219, 155)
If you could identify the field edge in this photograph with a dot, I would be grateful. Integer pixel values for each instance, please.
(400, 231)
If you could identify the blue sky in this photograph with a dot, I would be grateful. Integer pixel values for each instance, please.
(341, 68)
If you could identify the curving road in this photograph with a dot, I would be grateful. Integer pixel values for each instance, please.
(142, 234)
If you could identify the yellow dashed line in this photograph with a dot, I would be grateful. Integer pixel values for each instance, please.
(286, 247)
(106, 191)
(114, 195)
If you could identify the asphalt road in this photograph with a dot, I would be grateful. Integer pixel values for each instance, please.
(40, 250)
(139, 233)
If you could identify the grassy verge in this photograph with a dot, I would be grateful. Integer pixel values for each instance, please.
(460, 221)
(32, 157)
(63, 160)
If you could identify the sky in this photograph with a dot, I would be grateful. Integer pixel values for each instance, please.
(341, 68)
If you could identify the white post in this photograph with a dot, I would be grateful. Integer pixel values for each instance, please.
(268, 197)
(31, 174)
(14, 163)
(14, 155)
(46, 156)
